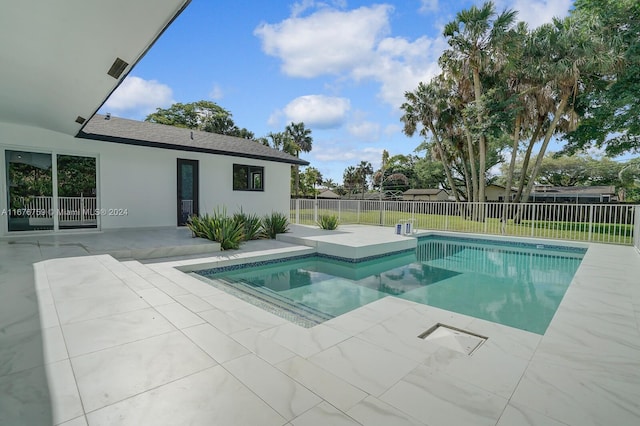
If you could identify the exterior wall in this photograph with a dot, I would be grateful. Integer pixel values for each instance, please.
(143, 180)
(493, 193)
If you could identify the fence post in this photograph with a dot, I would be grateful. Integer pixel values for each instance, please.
(315, 211)
(447, 211)
(340, 210)
(358, 212)
(533, 219)
(484, 216)
(413, 214)
(297, 211)
(82, 207)
(590, 222)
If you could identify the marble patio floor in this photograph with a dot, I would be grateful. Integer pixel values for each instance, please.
(86, 339)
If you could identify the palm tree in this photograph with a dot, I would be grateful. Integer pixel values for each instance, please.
(424, 106)
(349, 179)
(302, 141)
(477, 38)
(363, 170)
(572, 54)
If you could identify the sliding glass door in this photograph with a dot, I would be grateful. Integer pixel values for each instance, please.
(50, 192)
(77, 202)
(29, 191)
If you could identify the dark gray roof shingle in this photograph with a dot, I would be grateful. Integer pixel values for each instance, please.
(142, 133)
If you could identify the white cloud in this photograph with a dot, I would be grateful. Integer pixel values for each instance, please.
(352, 44)
(348, 156)
(427, 6)
(216, 92)
(328, 41)
(365, 130)
(323, 112)
(536, 12)
(137, 97)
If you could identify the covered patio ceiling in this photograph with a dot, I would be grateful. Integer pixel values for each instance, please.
(56, 55)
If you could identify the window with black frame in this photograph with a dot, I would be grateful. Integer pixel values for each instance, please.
(248, 178)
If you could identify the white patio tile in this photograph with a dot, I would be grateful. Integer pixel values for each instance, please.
(225, 302)
(210, 397)
(21, 351)
(155, 297)
(193, 303)
(218, 345)
(54, 347)
(106, 287)
(305, 341)
(366, 366)
(135, 281)
(580, 397)
(282, 393)
(78, 421)
(65, 401)
(166, 285)
(179, 316)
(113, 374)
(331, 388)
(516, 415)
(25, 398)
(265, 348)
(373, 412)
(223, 322)
(99, 305)
(93, 335)
(256, 318)
(324, 414)
(436, 399)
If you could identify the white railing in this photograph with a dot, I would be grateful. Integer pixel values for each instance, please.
(603, 223)
(636, 230)
(186, 207)
(81, 210)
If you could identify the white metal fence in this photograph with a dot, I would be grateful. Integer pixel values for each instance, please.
(79, 210)
(604, 223)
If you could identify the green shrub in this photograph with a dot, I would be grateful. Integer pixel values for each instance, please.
(218, 227)
(327, 221)
(251, 223)
(276, 223)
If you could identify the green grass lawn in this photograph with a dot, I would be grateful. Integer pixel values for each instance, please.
(574, 231)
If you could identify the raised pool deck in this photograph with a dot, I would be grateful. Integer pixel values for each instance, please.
(87, 339)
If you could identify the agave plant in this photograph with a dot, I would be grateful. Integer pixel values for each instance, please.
(218, 227)
(329, 222)
(275, 223)
(251, 223)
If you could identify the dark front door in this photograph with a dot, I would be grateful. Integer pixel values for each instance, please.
(187, 190)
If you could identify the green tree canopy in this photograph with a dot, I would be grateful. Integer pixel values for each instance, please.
(611, 110)
(202, 115)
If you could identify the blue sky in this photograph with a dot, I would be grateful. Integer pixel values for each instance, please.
(341, 67)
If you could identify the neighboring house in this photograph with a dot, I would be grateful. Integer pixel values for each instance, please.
(328, 194)
(63, 167)
(425, 195)
(573, 194)
(495, 192)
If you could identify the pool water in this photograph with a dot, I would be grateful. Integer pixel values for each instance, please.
(515, 284)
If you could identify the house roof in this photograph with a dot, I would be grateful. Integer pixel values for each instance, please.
(575, 190)
(143, 133)
(57, 55)
(434, 191)
(327, 193)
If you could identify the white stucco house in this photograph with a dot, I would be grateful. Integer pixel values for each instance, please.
(70, 58)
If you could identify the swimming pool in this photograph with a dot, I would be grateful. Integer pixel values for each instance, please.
(511, 283)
